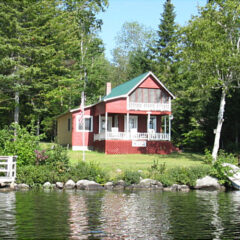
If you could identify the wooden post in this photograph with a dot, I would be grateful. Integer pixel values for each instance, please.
(99, 124)
(165, 124)
(106, 121)
(169, 128)
(127, 125)
(148, 123)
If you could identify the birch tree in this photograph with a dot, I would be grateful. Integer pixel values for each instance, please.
(211, 48)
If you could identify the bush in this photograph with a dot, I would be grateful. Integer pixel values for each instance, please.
(221, 172)
(90, 171)
(38, 175)
(180, 175)
(131, 177)
(23, 145)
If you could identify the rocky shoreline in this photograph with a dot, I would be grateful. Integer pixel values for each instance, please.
(206, 183)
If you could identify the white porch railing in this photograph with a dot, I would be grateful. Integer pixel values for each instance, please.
(131, 136)
(7, 169)
(149, 106)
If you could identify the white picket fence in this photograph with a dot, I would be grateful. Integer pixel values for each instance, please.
(7, 169)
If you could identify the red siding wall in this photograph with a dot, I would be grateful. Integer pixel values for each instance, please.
(125, 147)
(142, 123)
(150, 83)
(117, 106)
(77, 136)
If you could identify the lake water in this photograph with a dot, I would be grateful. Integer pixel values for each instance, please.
(119, 215)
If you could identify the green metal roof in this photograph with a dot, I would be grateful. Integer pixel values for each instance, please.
(125, 87)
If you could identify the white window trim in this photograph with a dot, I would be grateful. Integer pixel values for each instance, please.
(130, 117)
(109, 123)
(155, 129)
(85, 117)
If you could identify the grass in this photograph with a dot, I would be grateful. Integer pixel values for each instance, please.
(112, 163)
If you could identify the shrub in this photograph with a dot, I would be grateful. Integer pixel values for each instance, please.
(22, 145)
(221, 172)
(182, 175)
(131, 177)
(91, 171)
(57, 157)
(38, 175)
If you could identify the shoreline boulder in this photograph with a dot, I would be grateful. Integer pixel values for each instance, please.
(207, 183)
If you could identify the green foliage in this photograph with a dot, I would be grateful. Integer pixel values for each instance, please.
(179, 175)
(38, 175)
(57, 157)
(218, 169)
(23, 145)
(91, 171)
(131, 177)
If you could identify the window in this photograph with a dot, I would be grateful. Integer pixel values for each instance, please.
(88, 123)
(109, 124)
(69, 124)
(133, 123)
(153, 123)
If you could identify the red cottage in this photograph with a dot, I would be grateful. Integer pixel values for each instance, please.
(134, 117)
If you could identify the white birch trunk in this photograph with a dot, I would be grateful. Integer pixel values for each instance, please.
(16, 111)
(219, 125)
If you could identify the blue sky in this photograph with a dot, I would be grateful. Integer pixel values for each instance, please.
(146, 12)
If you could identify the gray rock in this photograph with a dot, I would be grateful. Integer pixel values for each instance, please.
(22, 186)
(150, 183)
(108, 185)
(70, 184)
(184, 188)
(175, 187)
(88, 185)
(121, 183)
(59, 185)
(47, 185)
(207, 183)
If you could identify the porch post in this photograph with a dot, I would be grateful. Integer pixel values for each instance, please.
(169, 126)
(99, 124)
(165, 124)
(148, 123)
(106, 121)
(127, 125)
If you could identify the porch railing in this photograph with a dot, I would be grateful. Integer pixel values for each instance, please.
(131, 136)
(149, 106)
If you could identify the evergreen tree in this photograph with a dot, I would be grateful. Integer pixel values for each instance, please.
(165, 49)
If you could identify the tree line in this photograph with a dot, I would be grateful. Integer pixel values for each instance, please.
(50, 51)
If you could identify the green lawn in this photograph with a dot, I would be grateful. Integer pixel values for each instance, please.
(136, 161)
(133, 161)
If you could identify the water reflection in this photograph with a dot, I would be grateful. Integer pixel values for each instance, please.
(119, 215)
(7, 215)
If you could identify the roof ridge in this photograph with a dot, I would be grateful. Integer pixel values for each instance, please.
(124, 87)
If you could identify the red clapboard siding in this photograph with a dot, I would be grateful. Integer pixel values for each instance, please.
(125, 147)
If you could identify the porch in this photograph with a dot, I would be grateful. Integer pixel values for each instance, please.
(114, 135)
(145, 127)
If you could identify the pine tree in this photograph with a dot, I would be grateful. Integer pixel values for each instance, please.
(164, 52)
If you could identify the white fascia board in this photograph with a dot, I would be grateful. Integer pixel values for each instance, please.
(121, 96)
(77, 109)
